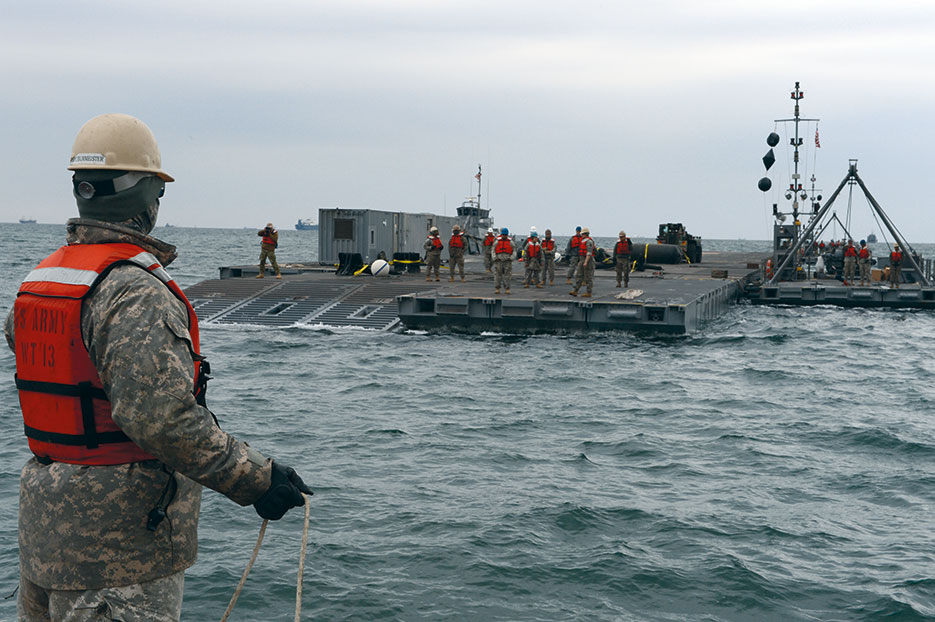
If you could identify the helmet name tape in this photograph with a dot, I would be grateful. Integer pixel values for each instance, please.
(88, 158)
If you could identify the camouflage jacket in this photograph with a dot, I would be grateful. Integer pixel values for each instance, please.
(84, 527)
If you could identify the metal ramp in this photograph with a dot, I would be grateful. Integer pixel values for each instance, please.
(303, 299)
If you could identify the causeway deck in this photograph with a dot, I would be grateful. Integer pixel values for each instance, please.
(668, 298)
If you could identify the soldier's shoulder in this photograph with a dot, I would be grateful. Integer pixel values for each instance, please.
(131, 284)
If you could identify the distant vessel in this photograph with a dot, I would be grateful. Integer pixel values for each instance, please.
(306, 224)
(872, 238)
(27, 221)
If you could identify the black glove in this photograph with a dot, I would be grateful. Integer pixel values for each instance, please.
(285, 492)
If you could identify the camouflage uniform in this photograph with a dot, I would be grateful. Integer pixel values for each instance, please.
(502, 269)
(623, 265)
(585, 272)
(533, 264)
(573, 258)
(455, 258)
(864, 264)
(84, 527)
(548, 263)
(268, 250)
(433, 258)
(488, 253)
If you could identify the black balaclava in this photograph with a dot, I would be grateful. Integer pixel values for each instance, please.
(136, 207)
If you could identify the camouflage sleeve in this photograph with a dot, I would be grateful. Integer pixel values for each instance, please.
(137, 335)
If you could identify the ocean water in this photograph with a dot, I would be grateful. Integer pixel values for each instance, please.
(777, 465)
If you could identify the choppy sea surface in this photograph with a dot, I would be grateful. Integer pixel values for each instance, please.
(777, 465)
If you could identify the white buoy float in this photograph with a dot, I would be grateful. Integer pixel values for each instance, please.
(380, 268)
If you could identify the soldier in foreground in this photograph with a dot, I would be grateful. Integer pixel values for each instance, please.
(456, 252)
(585, 274)
(548, 258)
(111, 387)
(503, 261)
(268, 249)
(433, 253)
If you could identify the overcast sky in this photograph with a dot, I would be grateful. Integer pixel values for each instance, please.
(609, 114)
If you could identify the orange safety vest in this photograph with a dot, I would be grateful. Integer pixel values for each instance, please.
(896, 258)
(268, 239)
(623, 247)
(532, 249)
(436, 243)
(456, 241)
(504, 245)
(575, 241)
(489, 240)
(850, 251)
(66, 412)
(582, 247)
(548, 244)
(864, 253)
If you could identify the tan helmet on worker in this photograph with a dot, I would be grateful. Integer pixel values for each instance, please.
(117, 142)
(455, 229)
(585, 231)
(623, 234)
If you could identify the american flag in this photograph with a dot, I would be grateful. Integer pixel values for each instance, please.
(817, 142)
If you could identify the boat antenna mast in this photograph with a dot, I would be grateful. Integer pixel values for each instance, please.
(796, 190)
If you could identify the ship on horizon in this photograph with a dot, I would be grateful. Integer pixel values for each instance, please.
(306, 224)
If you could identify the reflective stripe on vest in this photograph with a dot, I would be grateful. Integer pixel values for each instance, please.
(66, 413)
(532, 249)
(504, 245)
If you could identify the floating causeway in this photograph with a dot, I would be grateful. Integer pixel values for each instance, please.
(674, 299)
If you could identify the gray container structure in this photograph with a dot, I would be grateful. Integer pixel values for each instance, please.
(368, 232)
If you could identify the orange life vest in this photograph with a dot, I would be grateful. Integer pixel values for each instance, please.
(623, 247)
(532, 248)
(268, 239)
(864, 253)
(850, 251)
(456, 241)
(548, 244)
(436, 243)
(66, 413)
(575, 241)
(504, 245)
(896, 258)
(489, 240)
(583, 247)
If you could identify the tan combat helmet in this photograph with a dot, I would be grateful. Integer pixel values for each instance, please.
(585, 231)
(623, 234)
(455, 229)
(117, 142)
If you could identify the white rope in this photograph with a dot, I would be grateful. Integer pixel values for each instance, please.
(256, 550)
(246, 571)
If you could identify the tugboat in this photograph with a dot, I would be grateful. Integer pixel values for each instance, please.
(473, 219)
(796, 254)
